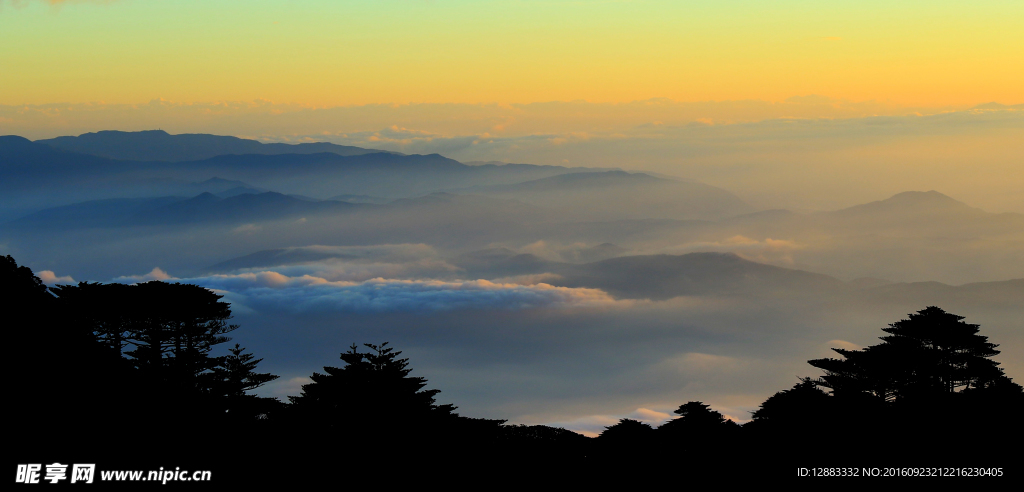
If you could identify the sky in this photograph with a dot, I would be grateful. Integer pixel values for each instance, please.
(698, 90)
(325, 53)
(793, 104)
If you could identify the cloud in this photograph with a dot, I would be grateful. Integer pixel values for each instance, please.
(577, 252)
(583, 369)
(341, 270)
(413, 141)
(155, 274)
(347, 263)
(49, 278)
(826, 352)
(307, 293)
(594, 425)
(409, 124)
(247, 229)
(767, 250)
(698, 371)
(543, 249)
(703, 363)
(387, 253)
(530, 279)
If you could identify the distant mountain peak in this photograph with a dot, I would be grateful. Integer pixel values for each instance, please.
(206, 195)
(930, 195)
(912, 202)
(217, 180)
(119, 132)
(14, 139)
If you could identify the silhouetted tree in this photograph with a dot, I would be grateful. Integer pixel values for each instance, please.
(26, 302)
(621, 441)
(110, 311)
(162, 336)
(930, 386)
(372, 392)
(627, 431)
(802, 405)
(523, 432)
(237, 372)
(181, 326)
(67, 379)
(697, 414)
(21, 288)
(235, 376)
(165, 330)
(932, 352)
(793, 422)
(699, 429)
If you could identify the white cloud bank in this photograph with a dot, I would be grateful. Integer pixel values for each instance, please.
(50, 278)
(307, 293)
(349, 263)
(594, 425)
(155, 274)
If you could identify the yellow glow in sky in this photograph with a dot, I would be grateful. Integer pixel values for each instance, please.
(324, 53)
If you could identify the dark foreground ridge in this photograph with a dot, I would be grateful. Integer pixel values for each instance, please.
(125, 376)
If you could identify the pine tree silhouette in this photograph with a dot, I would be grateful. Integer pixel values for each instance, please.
(930, 353)
(372, 391)
(928, 388)
(235, 376)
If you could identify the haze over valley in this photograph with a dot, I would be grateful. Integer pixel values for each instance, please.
(551, 294)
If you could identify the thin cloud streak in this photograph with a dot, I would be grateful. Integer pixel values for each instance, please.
(272, 290)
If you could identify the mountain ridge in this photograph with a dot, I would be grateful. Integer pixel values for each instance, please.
(158, 145)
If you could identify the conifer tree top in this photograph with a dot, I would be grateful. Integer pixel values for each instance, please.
(373, 386)
(930, 352)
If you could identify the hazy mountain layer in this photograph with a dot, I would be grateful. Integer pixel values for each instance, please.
(534, 293)
(37, 176)
(158, 145)
(614, 195)
(954, 243)
(238, 206)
